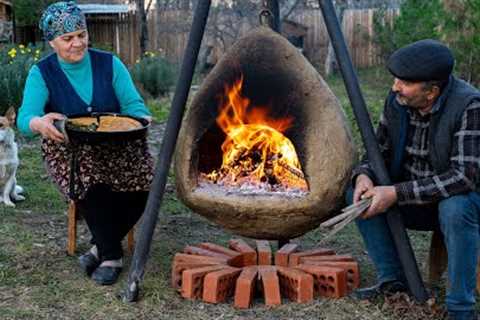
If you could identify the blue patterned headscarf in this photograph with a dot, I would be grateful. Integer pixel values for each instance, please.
(60, 18)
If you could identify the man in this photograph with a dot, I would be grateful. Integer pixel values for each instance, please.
(429, 135)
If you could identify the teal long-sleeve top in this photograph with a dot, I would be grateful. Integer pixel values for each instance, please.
(35, 95)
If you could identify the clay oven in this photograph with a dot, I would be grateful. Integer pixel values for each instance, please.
(264, 87)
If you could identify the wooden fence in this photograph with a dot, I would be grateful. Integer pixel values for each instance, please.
(168, 35)
(113, 32)
(118, 33)
(358, 26)
(169, 32)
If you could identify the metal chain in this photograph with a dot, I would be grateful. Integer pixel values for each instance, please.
(265, 16)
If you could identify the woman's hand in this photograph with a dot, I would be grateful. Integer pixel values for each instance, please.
(362, 184)
(44, 126)
(148, 118)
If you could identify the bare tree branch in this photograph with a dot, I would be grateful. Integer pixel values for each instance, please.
(148, 6)
(291, 9)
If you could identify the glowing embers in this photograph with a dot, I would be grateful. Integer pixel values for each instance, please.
(257, 156)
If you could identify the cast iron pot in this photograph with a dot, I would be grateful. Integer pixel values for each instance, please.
(92, 137)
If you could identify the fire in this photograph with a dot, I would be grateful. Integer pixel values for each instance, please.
(255, 151)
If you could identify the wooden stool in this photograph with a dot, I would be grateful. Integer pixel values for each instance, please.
(437, 259)
(72, 231)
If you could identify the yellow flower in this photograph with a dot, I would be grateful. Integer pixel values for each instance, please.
(149, 54)
(35, 59)
(29, 50)
(22, 51)
(21, 46)
(12, 53)
(37, 51)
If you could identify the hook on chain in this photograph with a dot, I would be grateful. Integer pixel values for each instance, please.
(266, 18)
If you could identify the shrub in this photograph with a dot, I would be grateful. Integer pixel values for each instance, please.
(418, 19)
(154, 74)
(160, 108)
(460, 30)
(16, 62)
(455, 22)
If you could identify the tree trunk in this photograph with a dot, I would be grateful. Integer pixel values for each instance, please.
(330, 60)
(143, 26)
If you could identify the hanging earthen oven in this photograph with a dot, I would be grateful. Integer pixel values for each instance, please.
(269, 72)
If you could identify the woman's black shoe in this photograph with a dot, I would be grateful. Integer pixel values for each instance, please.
(88, 263)
(389, 287)
(106, 275)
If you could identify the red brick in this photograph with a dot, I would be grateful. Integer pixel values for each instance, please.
(178, 268)
(245, 287)
(219, 285)
(332, 257)
(217, 248)
(189, 258)
(295, 284)
(204, 252)
(350, 267)
(328, 281)
(192, 280)
(264, 252)
(294, 258)
(281, 256)
(271, 285)
(249, 255)
(235, 260)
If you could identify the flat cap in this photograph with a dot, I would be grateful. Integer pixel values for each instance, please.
(423, 60)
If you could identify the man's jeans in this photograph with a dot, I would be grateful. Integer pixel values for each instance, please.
(458, 218)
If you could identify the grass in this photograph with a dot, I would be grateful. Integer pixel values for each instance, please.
(159, 108)
(38, 281)
(374, 84)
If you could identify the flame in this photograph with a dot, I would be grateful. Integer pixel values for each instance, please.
(255, 150)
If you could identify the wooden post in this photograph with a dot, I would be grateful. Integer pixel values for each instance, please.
(131, 240)
(72, 229)
(437, 257)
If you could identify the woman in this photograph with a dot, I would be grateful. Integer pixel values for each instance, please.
(112, 180)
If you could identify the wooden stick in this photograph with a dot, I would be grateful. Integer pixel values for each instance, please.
(291, 169)
(349, 216)
(347, 211)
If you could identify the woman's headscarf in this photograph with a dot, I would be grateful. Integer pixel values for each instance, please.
(60, 18)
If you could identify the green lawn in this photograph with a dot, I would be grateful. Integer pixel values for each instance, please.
(38, 280)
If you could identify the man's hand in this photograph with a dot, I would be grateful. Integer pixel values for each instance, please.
(362, 184)
(44, 126)
(383, 197)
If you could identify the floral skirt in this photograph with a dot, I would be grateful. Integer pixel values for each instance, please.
(125, 166)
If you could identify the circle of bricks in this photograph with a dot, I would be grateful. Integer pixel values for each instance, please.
(214, 273)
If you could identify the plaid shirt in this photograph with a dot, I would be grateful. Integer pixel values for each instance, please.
(421, 185)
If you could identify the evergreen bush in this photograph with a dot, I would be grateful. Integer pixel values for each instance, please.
(154, 74)
(418, 19)
(454, 22)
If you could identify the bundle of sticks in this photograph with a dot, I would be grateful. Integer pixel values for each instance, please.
(348, 214)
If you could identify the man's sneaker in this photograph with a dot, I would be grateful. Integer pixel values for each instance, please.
(389, 287)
